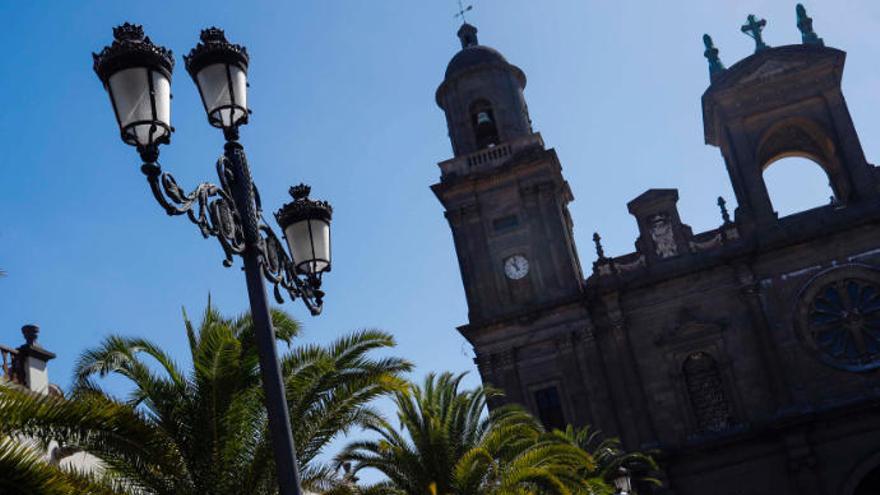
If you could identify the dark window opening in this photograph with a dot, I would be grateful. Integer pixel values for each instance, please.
(505, 223)
(483, 122)
(870, 484)
(550, 408)
(706, 392)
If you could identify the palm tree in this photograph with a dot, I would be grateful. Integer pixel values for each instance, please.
(23, 471)
(205, 430)
(609, 455)
(449, 446)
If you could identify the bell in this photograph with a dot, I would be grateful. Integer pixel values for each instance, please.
(483, 118)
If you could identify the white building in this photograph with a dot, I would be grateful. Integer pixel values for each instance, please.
(26, 366)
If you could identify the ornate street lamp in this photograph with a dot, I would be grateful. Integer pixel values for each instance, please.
(622, 482)
(137, 75)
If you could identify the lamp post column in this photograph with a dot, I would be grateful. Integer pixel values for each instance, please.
(273, 384)
(137, 75)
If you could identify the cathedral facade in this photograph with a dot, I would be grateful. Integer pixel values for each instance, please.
(747, 356)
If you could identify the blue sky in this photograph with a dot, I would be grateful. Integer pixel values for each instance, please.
(343, 98)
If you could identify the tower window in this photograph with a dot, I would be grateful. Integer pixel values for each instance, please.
(483, 122)
(550, 408)
(503, 224)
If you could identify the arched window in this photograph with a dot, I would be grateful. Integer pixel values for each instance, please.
(483, 123)
(801, 170)
(706, 392)
(549, 407)
(797, 183)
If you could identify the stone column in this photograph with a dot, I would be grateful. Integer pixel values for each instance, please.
(594, 374)
(33, 360)
(768, 352)
(634, 402)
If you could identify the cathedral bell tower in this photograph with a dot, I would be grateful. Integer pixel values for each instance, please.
(504, 194)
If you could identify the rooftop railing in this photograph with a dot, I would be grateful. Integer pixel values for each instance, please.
(488, 158)
(12, 369)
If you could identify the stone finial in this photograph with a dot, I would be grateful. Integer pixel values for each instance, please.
(30, 333)
(724, 214)
(468, 35)
(753, 28)
(598, 241)
(805, 26)
(711, 54)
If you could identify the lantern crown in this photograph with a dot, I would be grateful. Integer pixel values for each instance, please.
(301, 191)
(302, 207)
(213, 48)
(131, 48)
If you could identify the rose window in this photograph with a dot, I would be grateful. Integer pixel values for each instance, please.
(840, 320)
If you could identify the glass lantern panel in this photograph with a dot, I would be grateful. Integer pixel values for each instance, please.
(130, 90)
(623, 483)
(162, 92)
(239, 86)
(214, 84)
(309, 242)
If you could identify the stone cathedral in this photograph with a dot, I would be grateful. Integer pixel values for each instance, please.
(747, 356)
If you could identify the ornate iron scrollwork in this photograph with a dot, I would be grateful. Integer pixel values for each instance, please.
(706, 392)
(212, 209)
(278, 270)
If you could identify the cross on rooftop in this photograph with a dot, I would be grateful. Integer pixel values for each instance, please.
(753, 28)
(462, 9)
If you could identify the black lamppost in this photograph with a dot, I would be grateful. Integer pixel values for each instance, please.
(622, 482)
(137, 75)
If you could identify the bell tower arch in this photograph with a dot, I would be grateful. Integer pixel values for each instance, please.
(482, 96)
(782, 102)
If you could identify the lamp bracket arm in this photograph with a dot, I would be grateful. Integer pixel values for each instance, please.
(209, 206)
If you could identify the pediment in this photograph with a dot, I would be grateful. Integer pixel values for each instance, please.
(771, 69)
(775, 62)
(766, 77)
(689, 328)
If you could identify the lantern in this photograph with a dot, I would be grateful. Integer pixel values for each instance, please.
(306, 226)
(219, 69)
(137, 75)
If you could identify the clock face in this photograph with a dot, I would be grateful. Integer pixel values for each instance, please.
(516, 267)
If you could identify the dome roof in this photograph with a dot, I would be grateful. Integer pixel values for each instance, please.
(473, 56)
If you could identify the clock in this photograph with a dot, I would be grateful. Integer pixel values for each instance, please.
(516, 267)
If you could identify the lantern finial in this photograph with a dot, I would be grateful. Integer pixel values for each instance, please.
(129, 32)
(213, 34)
(300, 192)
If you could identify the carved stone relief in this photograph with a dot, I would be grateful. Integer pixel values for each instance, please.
(663, 236)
